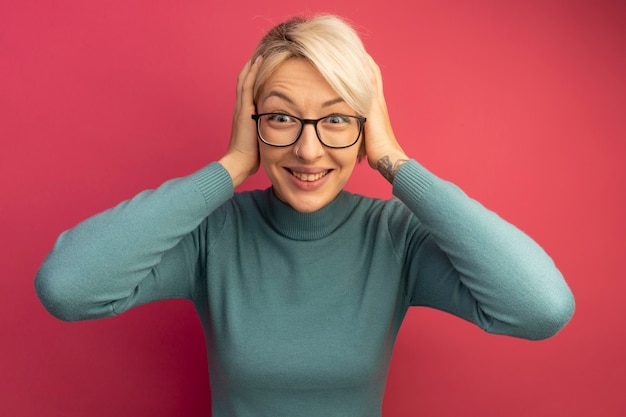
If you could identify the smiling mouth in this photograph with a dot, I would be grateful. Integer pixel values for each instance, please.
(307, 177)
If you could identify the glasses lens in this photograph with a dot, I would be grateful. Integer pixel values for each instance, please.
(338, 131)
(279, 129)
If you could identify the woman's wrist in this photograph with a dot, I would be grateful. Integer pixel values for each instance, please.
(388, 165)
(234, 169)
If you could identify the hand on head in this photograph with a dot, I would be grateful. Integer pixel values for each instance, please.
(381, 145)
(242, 158)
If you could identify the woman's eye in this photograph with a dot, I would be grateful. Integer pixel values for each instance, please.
(280, 118)
(337, 119)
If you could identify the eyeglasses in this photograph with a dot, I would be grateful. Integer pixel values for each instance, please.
(333, 131)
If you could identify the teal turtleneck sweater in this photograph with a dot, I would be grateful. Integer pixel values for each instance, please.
(300, 310)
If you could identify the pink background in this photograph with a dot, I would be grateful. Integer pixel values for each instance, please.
(521, 103)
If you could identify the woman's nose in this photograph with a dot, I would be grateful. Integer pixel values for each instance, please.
(309, 147)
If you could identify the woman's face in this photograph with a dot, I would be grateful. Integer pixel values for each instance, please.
(311, 179)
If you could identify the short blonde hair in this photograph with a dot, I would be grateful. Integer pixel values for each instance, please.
(331, 45)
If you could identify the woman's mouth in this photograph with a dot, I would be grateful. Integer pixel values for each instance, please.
(309, 177)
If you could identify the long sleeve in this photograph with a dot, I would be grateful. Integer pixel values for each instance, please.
(474, 264)
(142, 250)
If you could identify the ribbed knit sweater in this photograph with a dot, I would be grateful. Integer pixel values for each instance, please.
(301, 310)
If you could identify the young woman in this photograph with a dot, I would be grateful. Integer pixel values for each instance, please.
(301, 288)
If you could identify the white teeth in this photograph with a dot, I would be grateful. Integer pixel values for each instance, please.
(308, 177)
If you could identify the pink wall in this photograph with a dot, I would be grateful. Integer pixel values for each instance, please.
(520, 103)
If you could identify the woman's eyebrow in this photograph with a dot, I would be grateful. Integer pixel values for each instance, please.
(333, 101)
(284, 97)
(280, 95)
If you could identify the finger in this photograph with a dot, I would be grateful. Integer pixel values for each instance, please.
(377, 76)
(247, 91)
(242, 76)
(372, 64)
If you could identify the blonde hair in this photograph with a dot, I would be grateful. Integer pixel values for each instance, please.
(331, 45)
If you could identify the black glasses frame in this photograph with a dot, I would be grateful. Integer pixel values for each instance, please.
(314, 122)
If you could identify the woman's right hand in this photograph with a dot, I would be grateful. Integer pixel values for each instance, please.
(242, 157)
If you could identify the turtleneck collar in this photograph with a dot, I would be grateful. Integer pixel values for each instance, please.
(305, 226)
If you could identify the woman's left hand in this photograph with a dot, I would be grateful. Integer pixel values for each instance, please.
(384, 153)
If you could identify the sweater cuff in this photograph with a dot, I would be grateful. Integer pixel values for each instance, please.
(214, 183)
(411, 183)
